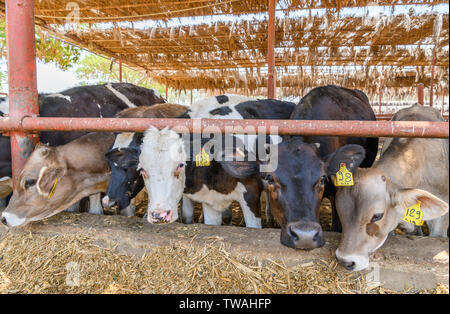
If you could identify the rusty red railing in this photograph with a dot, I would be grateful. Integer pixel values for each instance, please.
(282, 127)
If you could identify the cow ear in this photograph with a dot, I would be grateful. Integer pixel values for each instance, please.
(432, 207)
(47, 180)
(352, 155)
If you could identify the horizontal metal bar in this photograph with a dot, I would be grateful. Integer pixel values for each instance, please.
(389, 116)
(281, 127)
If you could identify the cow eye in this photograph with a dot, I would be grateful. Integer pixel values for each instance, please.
(29, 183)
(377, 217)
(178, 170)
(323, 180)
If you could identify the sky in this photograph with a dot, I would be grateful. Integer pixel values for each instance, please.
(51, 79)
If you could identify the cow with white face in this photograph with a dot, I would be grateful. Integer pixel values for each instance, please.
(167, 181)
(170, 171)
(54, 178)
(123, 157)
(411, 173)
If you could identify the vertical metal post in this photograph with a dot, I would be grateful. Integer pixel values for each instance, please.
(443, 101)
(23, 95)
(380, 95)
(271, 80)
(120, 70)
(191, 96)
(420, 93)
(433, 61)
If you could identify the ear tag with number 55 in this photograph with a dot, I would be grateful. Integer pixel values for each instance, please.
(202, 159)
(343, 177)
(414, 214)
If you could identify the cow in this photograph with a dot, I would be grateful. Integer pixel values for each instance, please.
(54, 178)
(305, 164)
(409, 170)
(5, 161)
(170, 173)
(123, 156)
(83, 101)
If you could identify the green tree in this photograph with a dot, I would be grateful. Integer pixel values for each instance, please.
(48, 50)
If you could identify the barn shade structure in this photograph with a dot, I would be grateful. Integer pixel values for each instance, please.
(292, 53)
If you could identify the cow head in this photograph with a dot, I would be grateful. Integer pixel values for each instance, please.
(123, 160)
(372, 208)
(296, 187)
(46, 186)
(162, 165)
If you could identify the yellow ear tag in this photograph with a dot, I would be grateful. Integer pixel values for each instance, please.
(343, 177)
(414, 214)
(52, 191)
(202, 159)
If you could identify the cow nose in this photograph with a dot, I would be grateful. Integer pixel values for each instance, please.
(305, 235)
(160, 216)
(349, 265)
(108, 203)
(3, 220)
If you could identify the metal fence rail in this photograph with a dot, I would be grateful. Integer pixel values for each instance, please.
(281, 127)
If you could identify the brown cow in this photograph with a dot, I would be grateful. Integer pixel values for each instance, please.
(54, 178)
(409, 170)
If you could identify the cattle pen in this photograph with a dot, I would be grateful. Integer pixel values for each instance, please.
(255, 256)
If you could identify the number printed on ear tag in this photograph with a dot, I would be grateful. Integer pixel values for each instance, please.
(414, 215)
(202, 159)
(343, 177)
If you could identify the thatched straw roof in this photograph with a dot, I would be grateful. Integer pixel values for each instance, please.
(56, 11)
(233, 54)
(298, 81)
(349, 40)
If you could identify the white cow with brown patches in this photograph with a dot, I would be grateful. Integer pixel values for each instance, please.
(54, 178)
(410, 170)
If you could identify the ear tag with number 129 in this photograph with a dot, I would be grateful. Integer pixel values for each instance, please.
(414, 214)
(343, 177)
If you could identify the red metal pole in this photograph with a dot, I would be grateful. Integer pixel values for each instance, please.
(443, 101)
(23, 96)
(432, 77)
(380, 96)
(420, 93)
(271, 79)
(120, 71)
(281, 127)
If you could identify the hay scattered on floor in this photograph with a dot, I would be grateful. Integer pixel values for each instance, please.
(75, 264)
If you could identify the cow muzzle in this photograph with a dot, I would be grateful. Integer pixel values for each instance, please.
(160, 216)
(352, 262)
(109, 203)
(302, 235)
(11, 220)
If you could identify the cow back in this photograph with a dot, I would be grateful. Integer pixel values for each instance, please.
(337, 103)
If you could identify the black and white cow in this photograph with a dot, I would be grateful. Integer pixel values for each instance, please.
(306, 164)
(170, 172)
(123, 156)
(83, 101)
